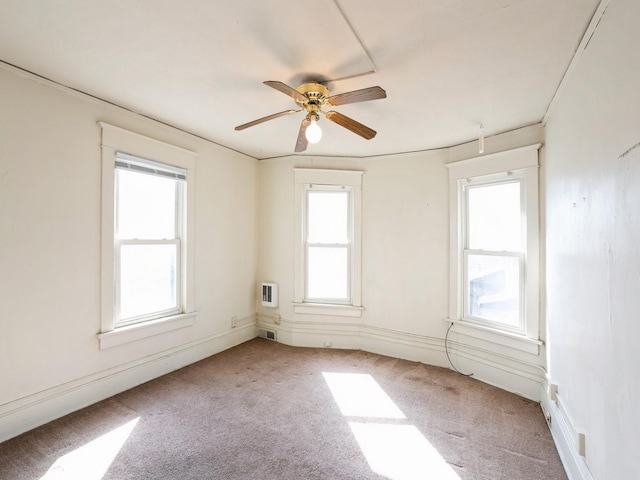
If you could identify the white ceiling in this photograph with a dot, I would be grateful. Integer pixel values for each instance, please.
(446, 65)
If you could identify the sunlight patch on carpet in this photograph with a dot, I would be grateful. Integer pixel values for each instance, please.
(91, 461)
(359, 395)
(400, 452)
(395, 449)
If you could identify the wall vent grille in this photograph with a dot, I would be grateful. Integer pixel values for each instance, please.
(268, 334)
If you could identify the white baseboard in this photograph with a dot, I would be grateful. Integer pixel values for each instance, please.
(359, 337)
(26, 413)
(510, 374)
(565, 436)
(517, 375)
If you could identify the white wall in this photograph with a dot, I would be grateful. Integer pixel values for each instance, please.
(404, 251)
(50, 184)
(593, 259)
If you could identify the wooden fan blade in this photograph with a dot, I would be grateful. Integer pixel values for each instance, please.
(287, 90)
(351, 124)
(366, 94)
(302, 142)
(265, 119)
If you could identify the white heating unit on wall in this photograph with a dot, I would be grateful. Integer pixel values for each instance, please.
(270, 294)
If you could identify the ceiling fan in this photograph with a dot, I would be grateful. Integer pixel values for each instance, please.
(311, 97)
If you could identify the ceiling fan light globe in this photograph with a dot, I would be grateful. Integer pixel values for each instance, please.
(313, 132)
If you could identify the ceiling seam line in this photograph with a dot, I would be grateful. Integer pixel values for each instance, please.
(580, 49)
(374, 68)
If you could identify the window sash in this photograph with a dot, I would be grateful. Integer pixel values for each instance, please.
(336, 300)
(179, 196)
(467, 315)
(333, 220)
(495, 180)
(178, 282)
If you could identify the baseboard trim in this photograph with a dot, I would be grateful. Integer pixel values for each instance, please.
(516, 375)
(29, 412)
(507, 373)
(564, 436)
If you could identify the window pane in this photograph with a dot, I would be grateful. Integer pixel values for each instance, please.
(493, 288)
(328, 217)
(494, 217)
(146, 206)
(147, 279)
(327, 273)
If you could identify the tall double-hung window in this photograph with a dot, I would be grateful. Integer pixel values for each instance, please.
(328, 263)
(147, 279)
(494, 251)
(149, 232)
(328, 246)
(494, 281)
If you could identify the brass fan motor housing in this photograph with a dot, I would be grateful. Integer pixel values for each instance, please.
(316, 94)
(311, 97)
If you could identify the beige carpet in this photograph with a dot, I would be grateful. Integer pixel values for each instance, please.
(263, 410)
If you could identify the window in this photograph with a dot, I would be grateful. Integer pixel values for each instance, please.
(493, 264)
(494, 243)
(328, 244)
(147, 237)
(149, 199)
(328, 261)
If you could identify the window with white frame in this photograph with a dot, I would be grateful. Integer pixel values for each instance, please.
(328, 246)
(328, 204)
(494, 242)
(149, 228)
(147, 237)
(493, 254)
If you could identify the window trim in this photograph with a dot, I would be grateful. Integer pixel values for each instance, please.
(486, 169)
(329, 178)
(114, 140)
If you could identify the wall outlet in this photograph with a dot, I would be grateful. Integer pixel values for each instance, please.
(582, 444)
(276, 319)
(327, 343)
(553, 392)
(234, 322)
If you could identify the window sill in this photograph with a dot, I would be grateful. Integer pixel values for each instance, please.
(139, 331)
(501, 337)
(328, 309)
